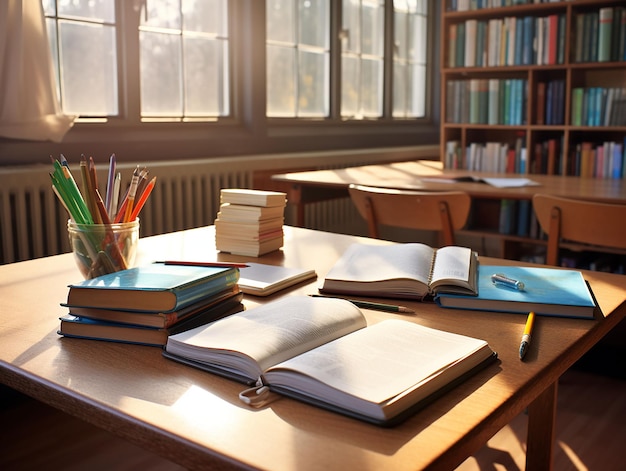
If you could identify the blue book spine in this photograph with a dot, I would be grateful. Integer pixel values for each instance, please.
(523, 218)
(549, 101)
(519, 41)
(529, 36)
(616, 160)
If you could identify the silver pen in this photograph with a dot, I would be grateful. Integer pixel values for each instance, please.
(501, 279)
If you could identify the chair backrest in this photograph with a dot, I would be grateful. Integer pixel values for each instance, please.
(437, 211)
(587, 222)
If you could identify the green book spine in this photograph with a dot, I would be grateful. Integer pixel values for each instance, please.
(605, 27)
(577, 106)
(580, 33)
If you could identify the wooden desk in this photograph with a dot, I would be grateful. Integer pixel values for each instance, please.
(196, 419)
(320, 185)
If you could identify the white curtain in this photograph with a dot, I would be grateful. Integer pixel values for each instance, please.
(29, 107)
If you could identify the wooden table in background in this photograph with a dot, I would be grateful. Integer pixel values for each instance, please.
(320, 185)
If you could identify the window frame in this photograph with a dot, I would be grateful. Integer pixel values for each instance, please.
(248, 131)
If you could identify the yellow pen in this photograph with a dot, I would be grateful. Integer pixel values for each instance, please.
(528, 330)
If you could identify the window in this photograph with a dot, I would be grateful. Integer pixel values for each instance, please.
(362, 58)
(184, 59)
(82, 37)
(298, 58)
(229, 77)
(410, 58)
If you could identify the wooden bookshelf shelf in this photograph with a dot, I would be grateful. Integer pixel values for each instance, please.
(534, 87)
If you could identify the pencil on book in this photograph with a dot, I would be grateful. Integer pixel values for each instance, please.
(203, 264)
(370, 305)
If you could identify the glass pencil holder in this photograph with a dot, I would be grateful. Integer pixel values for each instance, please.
(103, 248)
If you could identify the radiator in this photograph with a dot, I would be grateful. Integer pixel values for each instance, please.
(33, 222)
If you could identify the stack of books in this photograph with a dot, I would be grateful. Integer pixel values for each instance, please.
(250, 222)
(146, 304)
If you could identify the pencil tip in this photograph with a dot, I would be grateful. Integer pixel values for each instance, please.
(405, 309)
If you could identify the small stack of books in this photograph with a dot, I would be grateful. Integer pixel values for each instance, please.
(250, 222)
(146, 304)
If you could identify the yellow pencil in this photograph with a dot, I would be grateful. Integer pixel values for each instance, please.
(528, 330)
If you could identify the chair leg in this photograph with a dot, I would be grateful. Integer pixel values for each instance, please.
(372, 224)
(447, 230)
(554, 236)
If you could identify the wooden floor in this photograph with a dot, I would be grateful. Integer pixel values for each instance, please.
(591, 435)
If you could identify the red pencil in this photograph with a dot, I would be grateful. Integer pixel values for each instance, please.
(204, 264)
(142, 199)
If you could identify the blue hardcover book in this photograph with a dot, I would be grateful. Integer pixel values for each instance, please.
(149, 288)
(547, 291)
(96, 329)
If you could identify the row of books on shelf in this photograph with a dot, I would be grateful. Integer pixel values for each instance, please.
(586, 159)
(503, 101)
(601, 160)
(507, 41)
(550, 102)
(487, 101)
(601, 35)
(467, 5)
(497, 157)
(598, 106)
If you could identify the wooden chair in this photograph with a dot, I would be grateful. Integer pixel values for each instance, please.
(437, 211)
(587, 222)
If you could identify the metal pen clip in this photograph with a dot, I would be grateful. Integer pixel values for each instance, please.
(501, 279)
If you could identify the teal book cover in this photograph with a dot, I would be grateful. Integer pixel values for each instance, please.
(155, 287)
(547, 291)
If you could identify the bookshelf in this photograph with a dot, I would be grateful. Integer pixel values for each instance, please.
(532, 87)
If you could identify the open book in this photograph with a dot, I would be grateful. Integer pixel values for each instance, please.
(498, 182)
(410, 270)
(321, 351)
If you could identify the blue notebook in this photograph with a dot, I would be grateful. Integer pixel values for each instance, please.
(150, 288)
(547, 291)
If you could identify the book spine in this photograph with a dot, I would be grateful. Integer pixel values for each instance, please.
(605, 27)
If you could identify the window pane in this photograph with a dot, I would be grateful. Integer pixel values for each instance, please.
(350, 85)
(49, 7)
(102, 10)
(162, 14)
(313, 20)
(184, 59)
(362, 58)
(89, 68)
(280, 17)
(281, 84)
(161, 81)
(372, 28)
(410, 57)
(298, 58)
(351, 18)
(313, 93)
(204, 82)
(207, 16)
(82, 37)
(371, 88)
